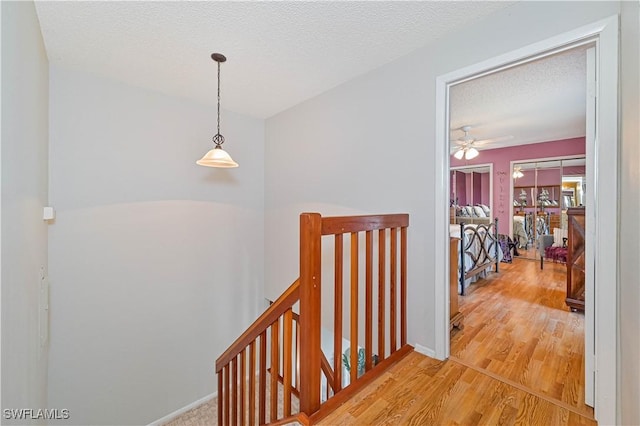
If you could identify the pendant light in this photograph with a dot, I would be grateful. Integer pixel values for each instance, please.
(217, 157)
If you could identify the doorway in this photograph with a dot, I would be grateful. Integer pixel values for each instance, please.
(603, 244)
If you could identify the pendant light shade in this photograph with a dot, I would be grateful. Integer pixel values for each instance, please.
(471, 153)
(517, 172)
(217, 157)
(467, 152)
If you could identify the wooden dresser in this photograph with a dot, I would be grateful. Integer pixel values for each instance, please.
(554, 222)
(576, 259)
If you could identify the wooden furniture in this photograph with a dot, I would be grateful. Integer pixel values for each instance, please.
(455, 315)
(576, 259)
(554, 221)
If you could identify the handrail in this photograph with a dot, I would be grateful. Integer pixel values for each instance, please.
(279, 307)
(283, 348)
(347, 224)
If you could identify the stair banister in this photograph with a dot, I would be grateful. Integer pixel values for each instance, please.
(310, 311)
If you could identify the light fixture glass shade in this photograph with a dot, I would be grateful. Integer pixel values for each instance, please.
(459, 154)
(517, 174)
(217, 157)
(471, 153)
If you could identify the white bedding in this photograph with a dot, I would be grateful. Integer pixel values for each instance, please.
(519, 233)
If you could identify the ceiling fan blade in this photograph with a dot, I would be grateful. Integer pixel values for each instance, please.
(493, 140)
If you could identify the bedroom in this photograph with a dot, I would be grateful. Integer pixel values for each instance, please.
(518, 146)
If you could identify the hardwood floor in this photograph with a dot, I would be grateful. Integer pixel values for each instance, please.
(518, 327)
(518, 360)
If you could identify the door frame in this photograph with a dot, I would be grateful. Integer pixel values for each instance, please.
(606, 186)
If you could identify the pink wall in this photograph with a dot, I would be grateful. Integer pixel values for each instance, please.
(545, 177)
(470, 186)
(486, 192)
(501, 158)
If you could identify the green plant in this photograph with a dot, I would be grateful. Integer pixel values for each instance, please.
(347, 363)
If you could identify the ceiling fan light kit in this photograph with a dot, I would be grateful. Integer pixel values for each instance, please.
(467, 144)
(517, 172)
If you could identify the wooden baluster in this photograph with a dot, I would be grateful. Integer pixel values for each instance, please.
(252, 383)
(228, 395)
(381, 298)
(234, 391)
(262, 381)
(403, 286)
(221, 395)
(310, 311)
(275, 373)
(354, 307)
(288, 319)
(337, 321)
(368, 338)
(392, 289)
(298, 356)
(242, 376)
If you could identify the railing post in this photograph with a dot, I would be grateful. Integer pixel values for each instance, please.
(310, 311)
(497, 244)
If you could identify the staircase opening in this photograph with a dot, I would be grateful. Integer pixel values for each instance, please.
(323, 339)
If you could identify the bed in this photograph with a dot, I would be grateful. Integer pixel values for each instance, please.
(478, 214)
(524, 232)
(478, 251)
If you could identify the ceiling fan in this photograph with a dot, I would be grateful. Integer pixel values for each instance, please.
(466, 145)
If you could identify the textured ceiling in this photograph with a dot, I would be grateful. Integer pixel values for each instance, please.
(544, 100)
(282, 53)
(279, 53)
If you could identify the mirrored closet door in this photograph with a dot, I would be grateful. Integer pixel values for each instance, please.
(542, 192)
(471, 192)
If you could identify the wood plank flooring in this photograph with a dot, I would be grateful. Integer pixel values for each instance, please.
(518, 360)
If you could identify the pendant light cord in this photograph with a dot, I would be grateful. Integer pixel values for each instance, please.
(218, 139)
(218, 97)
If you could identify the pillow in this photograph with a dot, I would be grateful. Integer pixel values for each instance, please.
(479, 211)
(469, 210)
(558, 236)
(487, 210)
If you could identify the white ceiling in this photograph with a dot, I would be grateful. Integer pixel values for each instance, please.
(282, 53)
(279, 53)
(543, 100)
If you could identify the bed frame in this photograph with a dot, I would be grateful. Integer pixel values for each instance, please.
(489, 249)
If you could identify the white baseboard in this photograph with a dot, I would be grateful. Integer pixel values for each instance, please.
(424, 350)
(171, 416)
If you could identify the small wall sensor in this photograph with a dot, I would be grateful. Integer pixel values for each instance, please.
(48, 213)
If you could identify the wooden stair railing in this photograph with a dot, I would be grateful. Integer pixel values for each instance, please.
(295, 359)
(383, 322)
(273, 329)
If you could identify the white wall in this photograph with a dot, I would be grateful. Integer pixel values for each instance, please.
(367, 145)
(156, 263)
(630, 214)
(24, 194)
